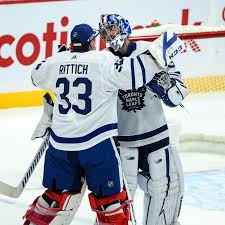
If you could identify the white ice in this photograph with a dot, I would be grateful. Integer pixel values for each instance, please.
(202, 192)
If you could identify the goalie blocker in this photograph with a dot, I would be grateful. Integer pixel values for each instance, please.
(169, 87)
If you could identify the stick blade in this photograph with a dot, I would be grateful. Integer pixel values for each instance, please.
(10, 191)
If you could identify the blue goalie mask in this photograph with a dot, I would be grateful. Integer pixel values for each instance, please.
(114, 29)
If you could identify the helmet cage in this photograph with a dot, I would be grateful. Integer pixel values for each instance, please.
(110, 22)
(104, 32)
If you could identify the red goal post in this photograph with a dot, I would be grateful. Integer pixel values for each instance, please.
(185, 32)
(213, 82)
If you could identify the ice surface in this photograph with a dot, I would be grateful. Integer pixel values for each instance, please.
(204, 201)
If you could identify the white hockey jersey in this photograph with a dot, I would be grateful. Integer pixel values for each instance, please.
(86, 86)
(141, 119)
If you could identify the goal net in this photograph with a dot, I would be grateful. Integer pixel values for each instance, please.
(201, 126)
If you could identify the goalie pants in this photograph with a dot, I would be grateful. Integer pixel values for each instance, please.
(100, 164)
(145, 150)
(136, 158)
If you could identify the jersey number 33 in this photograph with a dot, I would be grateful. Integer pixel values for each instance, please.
(85, 96)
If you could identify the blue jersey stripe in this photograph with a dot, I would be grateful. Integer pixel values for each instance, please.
(142, 69)
(144, 135)
(132, 73)
(85, 138)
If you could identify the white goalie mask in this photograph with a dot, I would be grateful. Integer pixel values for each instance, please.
(114, 29)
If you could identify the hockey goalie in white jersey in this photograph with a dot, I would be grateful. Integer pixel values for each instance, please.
(85, 83)
(148, 158)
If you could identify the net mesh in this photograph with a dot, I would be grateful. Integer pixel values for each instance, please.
(198, 128)
(205, 84)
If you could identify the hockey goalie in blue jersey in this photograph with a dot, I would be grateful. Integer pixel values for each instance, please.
(148, 157)
(85, 83)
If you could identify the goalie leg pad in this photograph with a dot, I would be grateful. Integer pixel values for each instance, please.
(163, 188)
(129, 159)
(180, 173)
(113, 209)
(53, 209)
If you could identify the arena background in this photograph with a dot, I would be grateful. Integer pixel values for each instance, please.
(31, 31)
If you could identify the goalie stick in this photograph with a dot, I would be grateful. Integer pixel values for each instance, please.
(133, 218)
(15, 192)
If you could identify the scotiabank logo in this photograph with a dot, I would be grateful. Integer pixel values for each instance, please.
(49, 36)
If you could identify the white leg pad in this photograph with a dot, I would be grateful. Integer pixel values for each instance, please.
(180, 173)
(129, 159)
(59, 213)
(70, 207)
(66, 215)
(163, 188)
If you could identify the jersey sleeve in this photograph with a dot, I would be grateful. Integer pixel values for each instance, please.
(131, 73)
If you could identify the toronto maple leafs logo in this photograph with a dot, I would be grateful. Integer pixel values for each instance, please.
(132, 100)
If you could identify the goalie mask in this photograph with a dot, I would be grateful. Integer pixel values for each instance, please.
(114, 29)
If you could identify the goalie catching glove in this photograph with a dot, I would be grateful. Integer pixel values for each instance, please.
(45, 122)
(165, 48)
